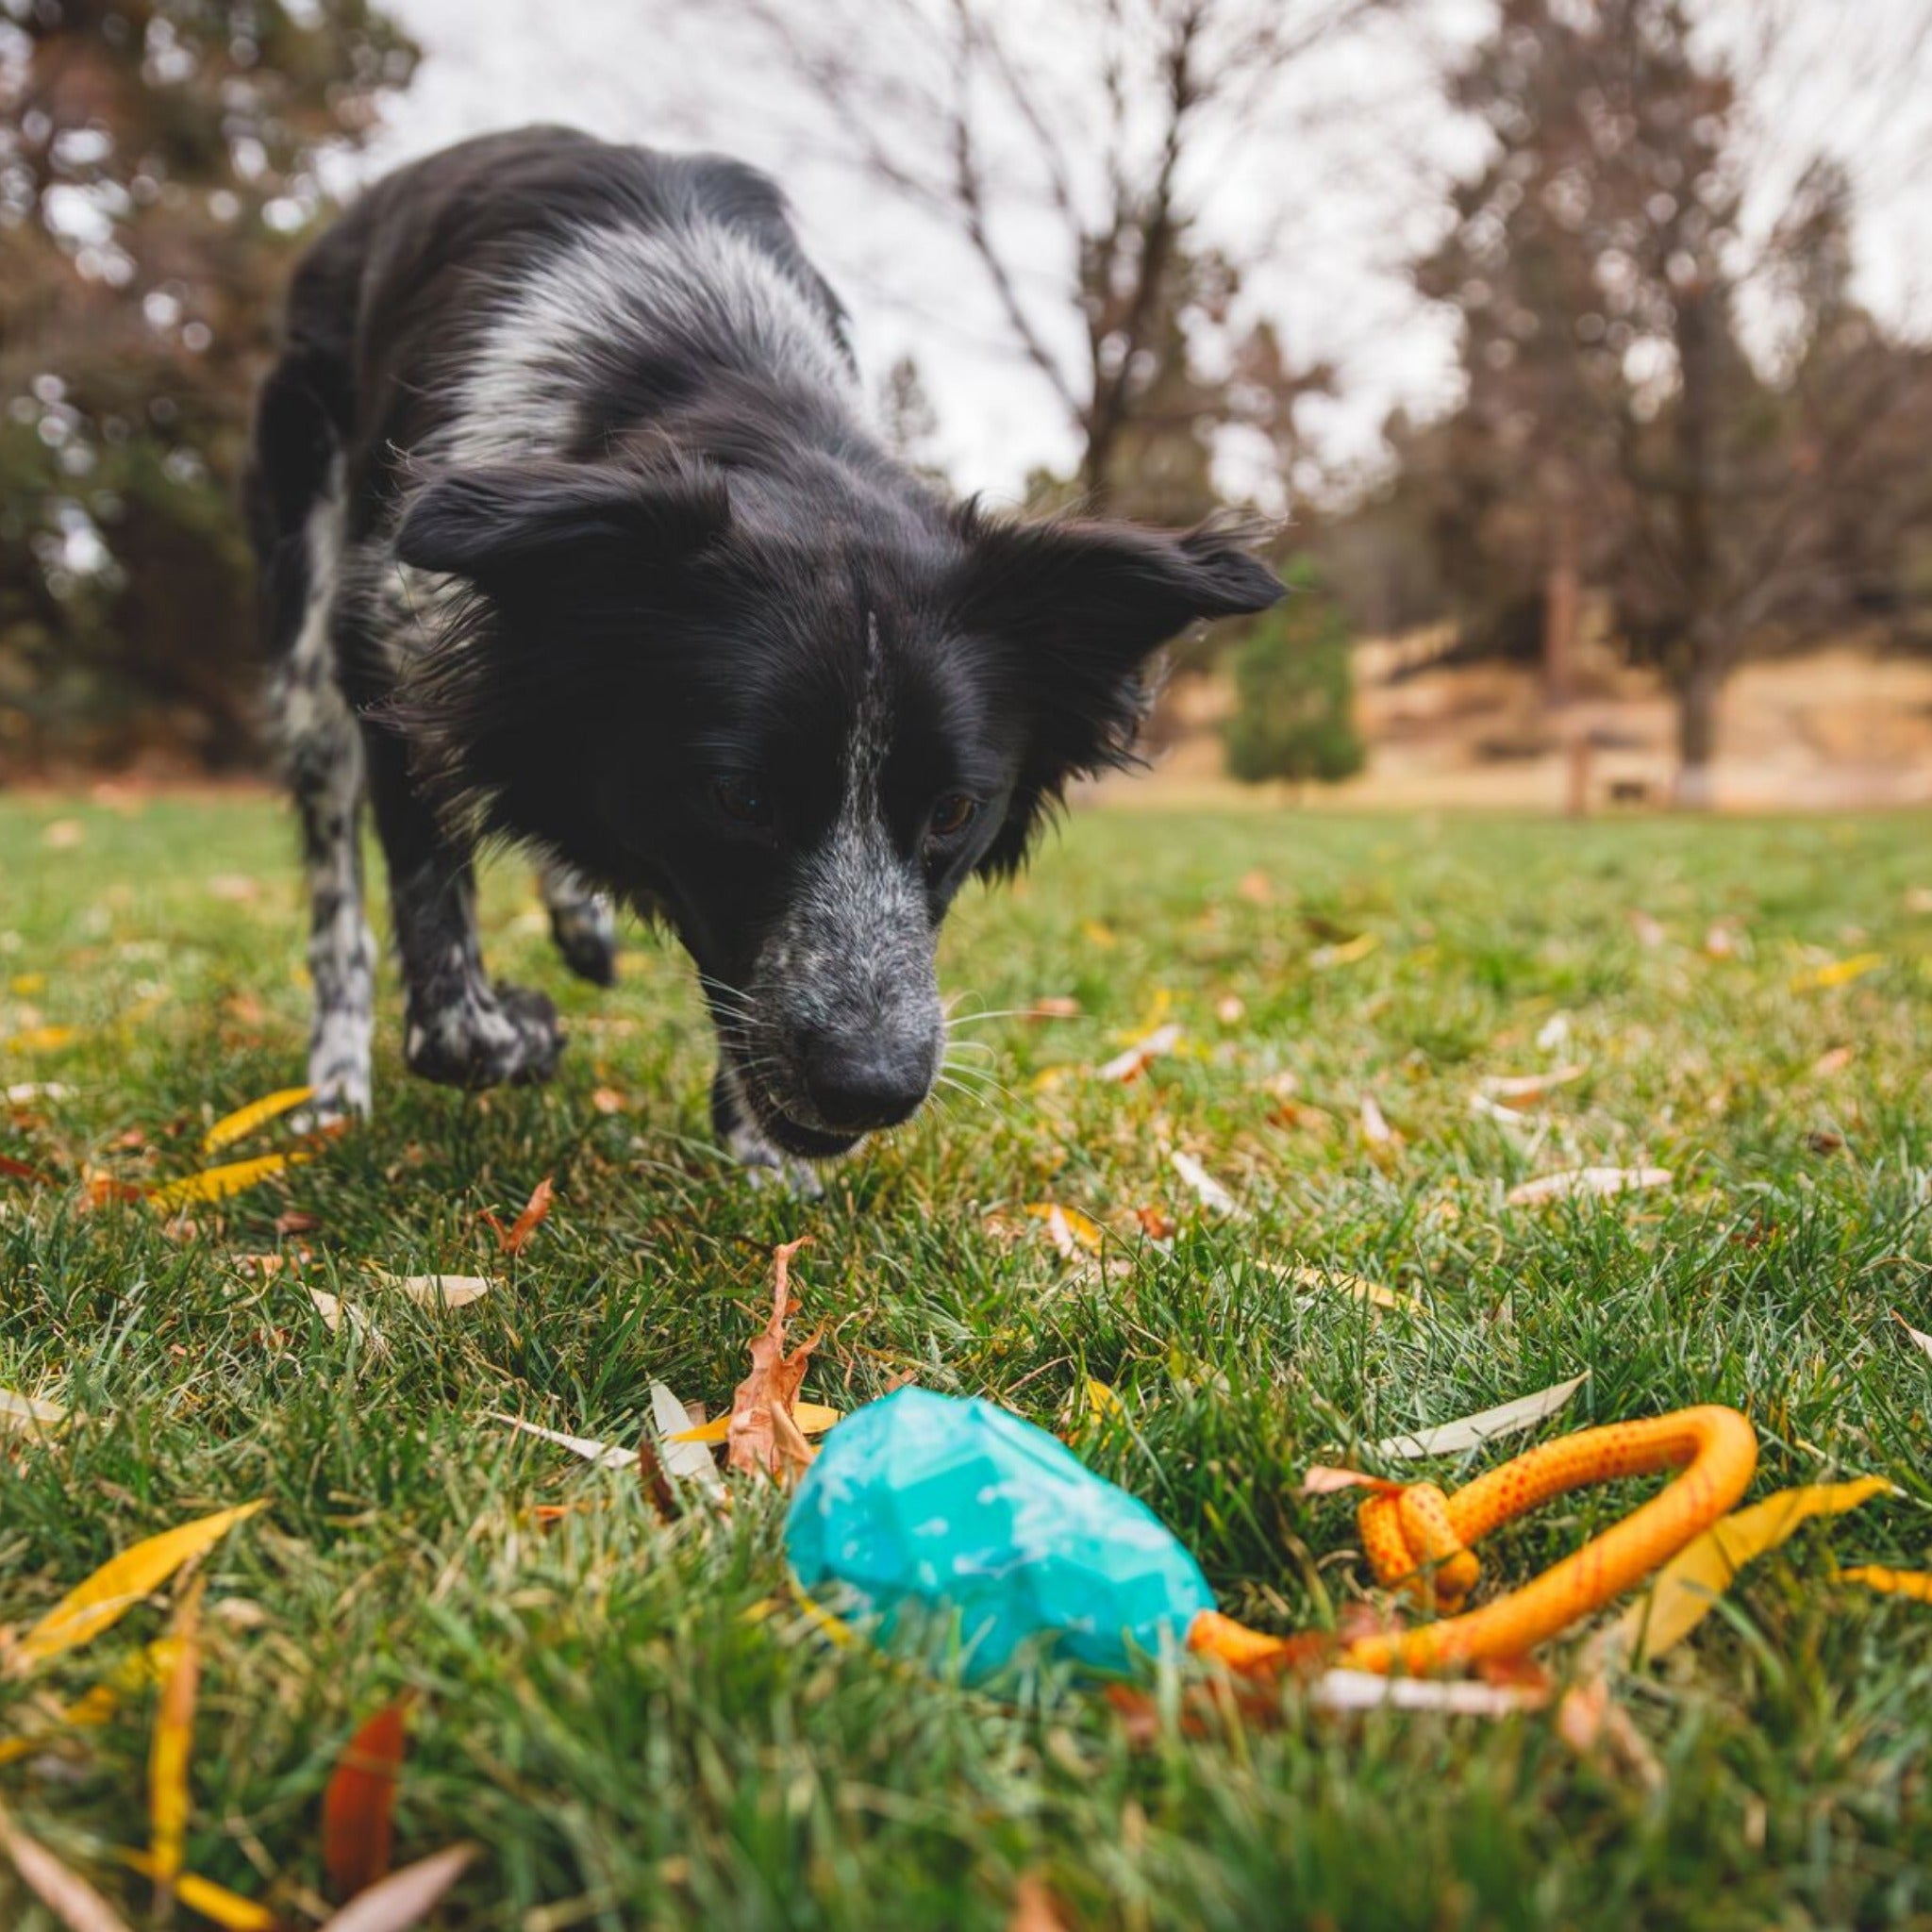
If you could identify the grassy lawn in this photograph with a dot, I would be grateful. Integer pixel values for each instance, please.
(634, 1720)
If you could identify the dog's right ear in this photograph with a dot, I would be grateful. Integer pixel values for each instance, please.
(513, 525)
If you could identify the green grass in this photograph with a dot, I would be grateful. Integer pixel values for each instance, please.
(635, 1720)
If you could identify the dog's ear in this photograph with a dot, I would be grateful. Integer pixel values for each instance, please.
(1077, 609)
(515, 524)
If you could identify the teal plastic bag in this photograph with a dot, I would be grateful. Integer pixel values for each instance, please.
(922, 1504)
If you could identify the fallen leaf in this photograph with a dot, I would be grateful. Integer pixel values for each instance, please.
(168, 1751)
(218, 1183)
(1650, 935)
(1208, 1190)
(1835, 1061)
(1523, 1090)
(1257, 888)
(65, 1894)
(1919, 1338)
(1376, 1128)
(1230, 1009)
(1133, 1061)
(258, 1113)
(1321, 1480)
(1574, 1182)
(214, 1902)
(1690, 1583)
(119, 1584)
(41, 1039)
(63, 835)
(1069, 1229)
(762, 1434)
(1343, 1690)
(691, 1461)
(813, 1419)
(97, 1190)
(25, 1093)
(1597, 1727)
(604, 1454)
(438, 1291)
(359, 1801)
(27, 1415)
(1471, 1431)
(535, 1210)
(20, 1171)
(296, 1222)
(1913, 1582)
(1156, 1223)
(1035, 1910)
(400, 1900)
(608, 1100)
(1053, 1007)
(1837, 973)
(1324, 959)
(1322, 1281)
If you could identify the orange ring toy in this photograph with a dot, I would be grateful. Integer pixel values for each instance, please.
(1418, 1538)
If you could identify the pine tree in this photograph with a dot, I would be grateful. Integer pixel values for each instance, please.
(1294, 692)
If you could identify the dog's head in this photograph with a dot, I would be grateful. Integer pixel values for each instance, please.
(793, 731)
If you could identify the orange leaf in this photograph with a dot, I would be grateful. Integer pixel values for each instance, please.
(358, 1803)
(22, 1171)
(764, 1434)
(1034, 1907)
(527, 1223)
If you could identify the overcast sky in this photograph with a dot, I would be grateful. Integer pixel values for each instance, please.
(1357, 178)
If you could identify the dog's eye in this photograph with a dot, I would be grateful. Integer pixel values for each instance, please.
(952, 815)
(741, 799)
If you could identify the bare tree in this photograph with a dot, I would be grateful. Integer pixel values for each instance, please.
(1073, 146)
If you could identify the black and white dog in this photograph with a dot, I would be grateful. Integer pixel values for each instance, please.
(571, 532)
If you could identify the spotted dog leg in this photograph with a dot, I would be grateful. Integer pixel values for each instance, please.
(582, 922)
(732, 1122)
(458, 1028)
(321, 752)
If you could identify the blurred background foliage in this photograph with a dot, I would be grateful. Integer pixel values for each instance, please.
(158, 168)
(1675, 423)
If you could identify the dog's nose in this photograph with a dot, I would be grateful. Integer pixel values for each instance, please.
(861, 1082)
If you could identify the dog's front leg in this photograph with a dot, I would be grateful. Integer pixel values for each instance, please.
(732, 1122)
(458, 1028)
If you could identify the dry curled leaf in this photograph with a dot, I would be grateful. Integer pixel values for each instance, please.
(1321, 1280)
(439, 1291)
(511, 1240)
(21, 1171)
(1575, 1183)
(1919, 1338)
(27, 1415)
(689, 1461)
(1471, 1431)
(604, 1454)
(763, 1436)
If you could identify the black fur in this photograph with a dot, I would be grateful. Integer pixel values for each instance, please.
(678, 621)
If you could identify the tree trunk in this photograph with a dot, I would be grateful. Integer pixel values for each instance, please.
(1697, 693)
(1562, 598)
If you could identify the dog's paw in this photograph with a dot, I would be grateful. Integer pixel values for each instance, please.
(585, 932)
(486, 1039)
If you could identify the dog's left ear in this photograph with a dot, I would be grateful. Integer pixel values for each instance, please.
(1079, 608)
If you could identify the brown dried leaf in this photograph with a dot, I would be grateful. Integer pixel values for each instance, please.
(1035, 1909)
(763, 1434)
(359, 1801)
(535, 1211)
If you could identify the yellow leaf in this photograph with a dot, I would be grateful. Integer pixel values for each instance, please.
(1698, 1575)
(218, 1183)
(1325, 957)
(244, 1120)
(813, 1419)
(1913, 1582)
(1320, 1279)
(41, 1039)
(167, 1761)
(119, 1584)
(1077, 1226)
(27, 1415)
(214, 1902)
(1839, 973)
(150, 1665)
(1103, 1400)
